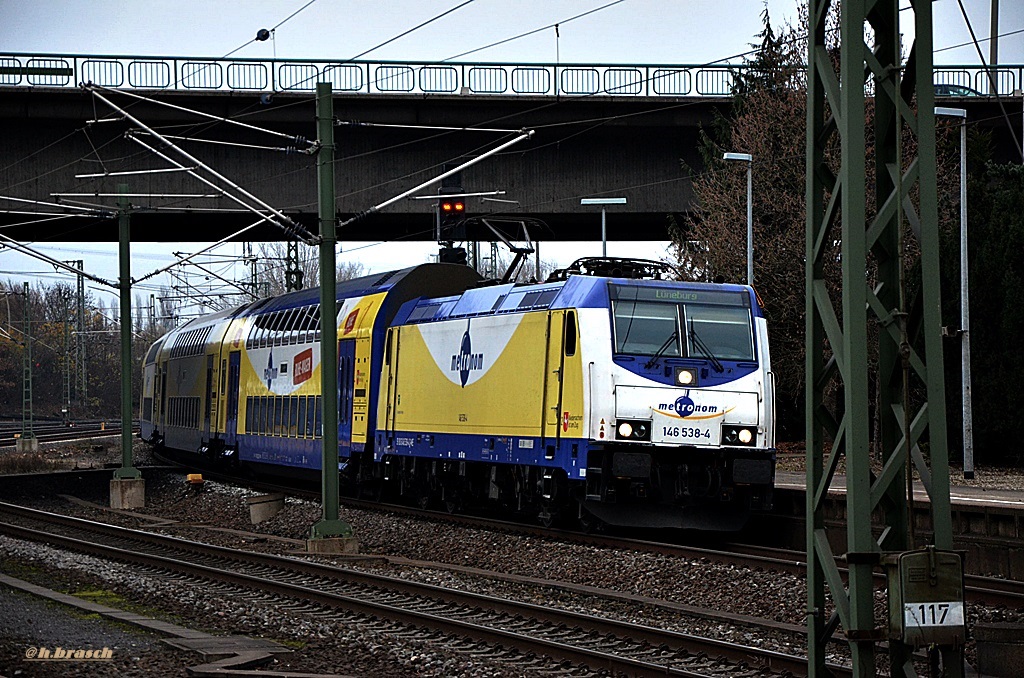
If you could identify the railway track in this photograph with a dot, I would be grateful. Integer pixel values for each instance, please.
(986, 590)
(599, 644)
(55, 434)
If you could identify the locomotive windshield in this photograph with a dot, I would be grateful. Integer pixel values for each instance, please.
(663, 322)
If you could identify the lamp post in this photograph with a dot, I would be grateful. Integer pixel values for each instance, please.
(749, 159)
(603, 202)
(965, 336)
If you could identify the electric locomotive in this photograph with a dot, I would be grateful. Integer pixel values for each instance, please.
(606, 394)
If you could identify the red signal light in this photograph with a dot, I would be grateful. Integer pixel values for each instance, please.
(459, 207)
(450, 207)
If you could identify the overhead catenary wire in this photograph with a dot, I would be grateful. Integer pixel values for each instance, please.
(280, 149)
(526, 134)
(536, 30)
(219, 118)
(14, 244)
(202, 251)
(981, 57)
(359, 123)
(229, 283)
(231, 196)
(53, 216)
(102, 175)
(45, 203)
(415, 28)
(288, 225)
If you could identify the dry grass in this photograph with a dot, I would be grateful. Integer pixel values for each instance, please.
(18, 462)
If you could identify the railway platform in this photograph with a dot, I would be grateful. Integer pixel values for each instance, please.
(988, 522)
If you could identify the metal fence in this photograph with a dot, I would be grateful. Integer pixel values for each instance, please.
(389, 77)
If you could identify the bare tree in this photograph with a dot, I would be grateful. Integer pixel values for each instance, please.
(272, 266)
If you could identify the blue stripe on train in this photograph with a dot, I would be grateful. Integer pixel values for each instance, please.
(569, 454)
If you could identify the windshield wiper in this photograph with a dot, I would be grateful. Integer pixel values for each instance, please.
(704, 350)
(664, 347)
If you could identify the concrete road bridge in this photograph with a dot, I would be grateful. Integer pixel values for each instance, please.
(600, 130)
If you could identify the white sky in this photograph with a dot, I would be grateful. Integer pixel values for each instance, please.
(631, 31)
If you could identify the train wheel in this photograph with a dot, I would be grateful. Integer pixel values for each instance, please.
(453, 504)
(589, 523)
(547, 515)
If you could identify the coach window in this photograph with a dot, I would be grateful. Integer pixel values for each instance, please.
(305, 325)
(301, 417)
(293, 325)
(268, 331)
(570, 333)
(275, 329)
(313, 333)
(267, 335)
(260, 332)
(318, 414)
(285, 328)
(278, 415)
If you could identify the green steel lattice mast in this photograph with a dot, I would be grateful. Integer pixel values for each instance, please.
(909, 357)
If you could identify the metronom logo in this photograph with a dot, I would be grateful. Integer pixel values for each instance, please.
(60, 654)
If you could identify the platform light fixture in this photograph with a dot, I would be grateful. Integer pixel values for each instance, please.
(749, 159)
(603, 202)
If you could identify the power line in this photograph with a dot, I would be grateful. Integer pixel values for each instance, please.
(536, 30)
(414, 28)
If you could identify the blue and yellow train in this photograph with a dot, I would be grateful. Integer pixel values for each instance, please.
(625, 400)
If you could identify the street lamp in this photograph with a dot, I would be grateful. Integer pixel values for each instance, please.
(603, 202)
(965, 337)
(749, 159)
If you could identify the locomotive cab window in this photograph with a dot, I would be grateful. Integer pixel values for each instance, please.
(724, 330)
(644, 328)
(678, 323)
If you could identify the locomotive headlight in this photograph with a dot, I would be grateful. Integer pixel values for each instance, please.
(686, 376)
(738, 435)
(633, 429)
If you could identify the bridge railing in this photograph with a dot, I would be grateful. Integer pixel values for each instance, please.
(410, 77)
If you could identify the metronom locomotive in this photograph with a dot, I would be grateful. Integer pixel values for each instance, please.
(617, 398)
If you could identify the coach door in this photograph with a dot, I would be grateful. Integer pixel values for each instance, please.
(163, 396)
(210, 395)
(390, 399)
(346, 382)
(231, 426)
(553, 368)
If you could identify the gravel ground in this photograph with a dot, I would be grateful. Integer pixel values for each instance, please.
(698, 582)
(28, 623)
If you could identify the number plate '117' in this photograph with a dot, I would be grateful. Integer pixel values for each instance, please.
(933, 614)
